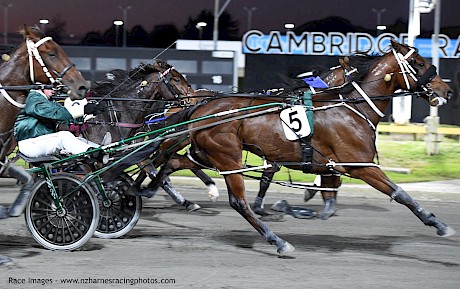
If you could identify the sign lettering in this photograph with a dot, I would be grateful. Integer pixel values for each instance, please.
(339, 44)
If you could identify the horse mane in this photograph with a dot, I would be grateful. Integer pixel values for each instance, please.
(361, 61)
(119, 81)
(291, 84)
(27, 31)
(162, 64)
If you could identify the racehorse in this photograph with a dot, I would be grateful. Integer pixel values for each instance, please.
(328, 184)
(184, 96)
(131, 97)
(344, 132)
(38, 60)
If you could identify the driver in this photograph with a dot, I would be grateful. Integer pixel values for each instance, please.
(35, 126)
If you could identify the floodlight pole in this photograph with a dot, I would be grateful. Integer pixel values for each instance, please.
(432, 121)
(125, 22)
(217, 13)
(5, 22)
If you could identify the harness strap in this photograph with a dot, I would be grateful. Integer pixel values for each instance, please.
(427, 76)
(129, 125)
(10, 99)
(349, 107)
(367, 99)
(332, 164)
(307, 157)
(33, 52)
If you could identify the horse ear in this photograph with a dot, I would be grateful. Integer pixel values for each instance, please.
(30, 32)
(23, 30)
(394, 44)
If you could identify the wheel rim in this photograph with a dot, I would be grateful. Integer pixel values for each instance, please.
(66, 229)
(122, 213)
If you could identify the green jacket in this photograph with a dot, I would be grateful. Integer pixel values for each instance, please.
(39, 117)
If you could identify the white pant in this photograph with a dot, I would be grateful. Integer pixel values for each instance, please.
(53, 143)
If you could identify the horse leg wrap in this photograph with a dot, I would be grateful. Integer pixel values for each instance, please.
(264, 184)
(258, 207)
(241, 207)
(259, 203)
(329, 208)
(175, 195)
(429, 219)
(24, 177)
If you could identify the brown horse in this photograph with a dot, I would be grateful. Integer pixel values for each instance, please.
(329, 184)
(132, 97)
(182, 96)
(343, 139)
(38, 60)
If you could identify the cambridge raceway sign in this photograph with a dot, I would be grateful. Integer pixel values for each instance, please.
(339, 44)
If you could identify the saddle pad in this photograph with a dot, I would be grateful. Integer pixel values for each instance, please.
(315, 82)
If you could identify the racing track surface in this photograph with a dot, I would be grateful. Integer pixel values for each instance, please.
(370, 243)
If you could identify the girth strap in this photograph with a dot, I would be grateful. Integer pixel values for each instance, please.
(307, 157)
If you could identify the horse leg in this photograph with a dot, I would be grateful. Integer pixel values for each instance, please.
(177, 197)
(147, 169)
(310, 193)
(162, 180)
(265, 180)
(238, 201)
(377, 179)
(24, 177)
(332, 182)
(213, 192)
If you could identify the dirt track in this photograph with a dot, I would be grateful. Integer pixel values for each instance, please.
(371, 243)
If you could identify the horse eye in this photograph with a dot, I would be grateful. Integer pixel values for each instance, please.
(421, 64)
(52, 54)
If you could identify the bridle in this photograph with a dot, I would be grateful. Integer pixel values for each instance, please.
(408, 70)
(163, 77)
(32, 49)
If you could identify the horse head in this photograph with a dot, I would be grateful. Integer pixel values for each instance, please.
(417, 75)
(174, 77)
(50, 64)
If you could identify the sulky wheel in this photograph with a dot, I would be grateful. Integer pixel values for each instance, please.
(121, 212)
(66, 229)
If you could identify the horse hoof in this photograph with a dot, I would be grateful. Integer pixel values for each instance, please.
(5, 260)
(260, 211)
(326, 214)
(193, 207)
(446, 232)
(309, 194)
(213, 193)
(4, 213)
(286, 249)
(280, 206)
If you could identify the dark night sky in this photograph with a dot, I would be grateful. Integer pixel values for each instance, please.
(82, 16)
